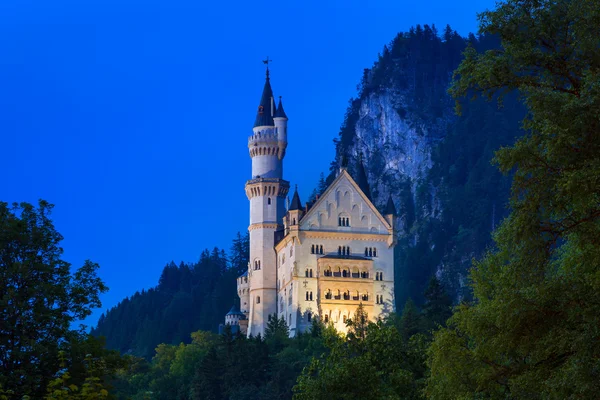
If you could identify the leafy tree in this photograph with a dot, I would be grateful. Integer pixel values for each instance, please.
(39, 297)
(532, 330)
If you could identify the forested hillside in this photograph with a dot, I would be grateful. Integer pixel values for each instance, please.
(435, 164)
(189, 297)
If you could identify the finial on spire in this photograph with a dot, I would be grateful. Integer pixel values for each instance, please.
(266, 62)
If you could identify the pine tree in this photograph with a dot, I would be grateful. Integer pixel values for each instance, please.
(410, 322)
(437, 308)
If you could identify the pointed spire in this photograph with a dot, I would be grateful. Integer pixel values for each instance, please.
(361, 178)
(296, 204)
(280, 113)
(390, 208)
(266, 108)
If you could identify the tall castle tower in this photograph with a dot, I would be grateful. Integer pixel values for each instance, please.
(266, 191)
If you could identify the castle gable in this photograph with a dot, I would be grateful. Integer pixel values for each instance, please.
(344, 207)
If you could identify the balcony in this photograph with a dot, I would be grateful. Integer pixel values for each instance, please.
(346, 274)
(346, 297)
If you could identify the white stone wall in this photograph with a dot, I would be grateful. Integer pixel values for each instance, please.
(343, 202)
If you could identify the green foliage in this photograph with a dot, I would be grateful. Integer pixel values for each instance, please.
(372, 362)
(188, 297)
(438, 304)
(40, 299)
(223, 367)
(532, 331)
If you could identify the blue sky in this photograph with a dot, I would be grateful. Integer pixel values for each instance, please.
(132, 117)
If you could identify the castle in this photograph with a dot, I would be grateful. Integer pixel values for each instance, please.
(320, 260)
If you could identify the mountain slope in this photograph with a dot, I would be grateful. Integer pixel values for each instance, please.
(435, 164)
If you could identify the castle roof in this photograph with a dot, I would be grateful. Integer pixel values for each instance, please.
(280, 112)
(344, 174)
(296, 204)
(234, 311)
(390, 208)
(361, 179)
(266, 108)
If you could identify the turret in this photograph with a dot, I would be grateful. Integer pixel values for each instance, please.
(390, 211)
(361, 178)
(280, 120)
(295, 213)
(267, 192)
(266, 145)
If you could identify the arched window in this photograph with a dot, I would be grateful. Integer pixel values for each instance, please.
(343, 220)
(269, 201)
(310, 273)
(257, 299)
(308, 316)
(339, 250)
(306, 296)
(328, 294)
(321, 252)
(326, 318)
(374, 252)
(370, 252)
(311, 296)
(366, 252)
(312, 249)
(293, 221)
(344, 319)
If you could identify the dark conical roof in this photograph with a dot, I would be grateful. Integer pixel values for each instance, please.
(234, 311)
(361, 179)
(390, 208)
(266, 108)
(280, 112)
(296, 205)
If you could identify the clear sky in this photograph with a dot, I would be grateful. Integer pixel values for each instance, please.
(132, 116)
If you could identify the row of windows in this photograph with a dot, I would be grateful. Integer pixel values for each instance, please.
(344, 251)
(378, 299)
(370, 252)
(346, 273)
(309, 296)
(334, 317)
(344, 221)
(378, 276)
(356, 296)
(316, 249)
(256, 264)
(308, 273)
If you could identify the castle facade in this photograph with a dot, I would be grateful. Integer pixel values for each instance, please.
(317, 260)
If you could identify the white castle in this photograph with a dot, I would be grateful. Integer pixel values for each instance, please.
(315, 261)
